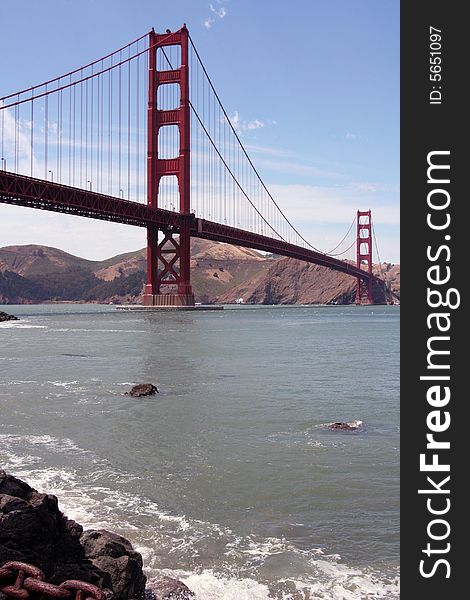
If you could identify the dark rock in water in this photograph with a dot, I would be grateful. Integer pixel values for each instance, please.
(115, 555)
(33, 530)
(168, 588)
(143, 389)
(351, 426)
(6, 317)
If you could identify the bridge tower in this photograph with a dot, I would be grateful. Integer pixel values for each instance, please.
(364, 256)
(168, 260)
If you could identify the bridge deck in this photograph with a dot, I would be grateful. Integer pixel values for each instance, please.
(45, 195)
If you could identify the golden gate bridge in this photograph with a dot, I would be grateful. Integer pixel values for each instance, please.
(141, 137)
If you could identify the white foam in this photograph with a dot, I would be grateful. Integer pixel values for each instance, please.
(163, 538)
(81, 329)
(209, 586)
(19, 325)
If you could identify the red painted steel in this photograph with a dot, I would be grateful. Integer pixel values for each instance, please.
(152, 180)
(46, 195)
(160, 272)
(364, 256)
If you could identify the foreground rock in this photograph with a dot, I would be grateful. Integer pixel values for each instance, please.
(34, 530)
(143, 389)
(351, 426)
(6, 317)
(168, 588)
(114, 554)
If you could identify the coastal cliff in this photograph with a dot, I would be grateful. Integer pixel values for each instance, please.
(220, 273)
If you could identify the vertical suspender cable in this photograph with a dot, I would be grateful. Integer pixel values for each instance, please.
(81, 134)
(98, 130)
(110, 131)
(32, 137)
(129, 127)
(137, 126)
(17, 118)
(70, 133)
(92, 129)
(73, 134)
(85, 182)
(119, 118)
(3, 140)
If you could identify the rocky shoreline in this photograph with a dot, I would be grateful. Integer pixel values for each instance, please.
(33, 530)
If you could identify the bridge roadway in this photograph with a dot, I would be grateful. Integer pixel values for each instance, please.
(25, 191)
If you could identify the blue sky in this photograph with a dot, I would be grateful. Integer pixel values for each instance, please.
(313, 86)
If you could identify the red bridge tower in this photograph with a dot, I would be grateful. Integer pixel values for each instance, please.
(364, 256)
(168, 261)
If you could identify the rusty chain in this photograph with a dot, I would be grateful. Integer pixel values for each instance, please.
(22, 581)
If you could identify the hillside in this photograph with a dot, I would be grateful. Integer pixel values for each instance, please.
(290, 281)
(220, 273)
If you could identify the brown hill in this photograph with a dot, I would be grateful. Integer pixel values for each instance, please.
(35, 260)
(220, 273)
(290, 281)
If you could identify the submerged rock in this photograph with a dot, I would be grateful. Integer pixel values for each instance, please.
(6, 317)
(33, 530)
(168, 588)
(143, 389)
(351, 426)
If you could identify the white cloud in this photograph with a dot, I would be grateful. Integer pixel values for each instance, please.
(287, 167)
(241, 125)
(335, 204)
(220, 12)
(293, 163)
(370, 187)
(217, 13)
(269, 150)
(350, 136)
(256, 124)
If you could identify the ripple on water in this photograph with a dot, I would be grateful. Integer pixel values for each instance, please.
(244, 567)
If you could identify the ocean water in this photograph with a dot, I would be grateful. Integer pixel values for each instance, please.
(228, 478)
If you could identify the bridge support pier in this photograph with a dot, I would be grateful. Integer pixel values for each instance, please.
(364, 292)
(168, 264)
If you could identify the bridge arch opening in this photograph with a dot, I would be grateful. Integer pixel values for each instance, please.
(168, 193)
(168, 141)
(168, 57)
(169, 96)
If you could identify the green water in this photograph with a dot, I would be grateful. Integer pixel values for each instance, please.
(228, 477)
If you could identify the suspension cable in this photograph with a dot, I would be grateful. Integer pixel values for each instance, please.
(344, 251)
(237, 166)
(35, 87)
(82, 79)
(339, 244)
(244, 151)
(223, 160)
(377, 250)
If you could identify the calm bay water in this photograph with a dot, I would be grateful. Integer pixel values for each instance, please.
(228, 477)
